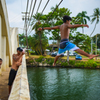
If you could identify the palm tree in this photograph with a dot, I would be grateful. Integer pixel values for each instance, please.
(84, 18)
(95, 17)
(37, 22)
(22, 40)
(35, 25)
(35, 43)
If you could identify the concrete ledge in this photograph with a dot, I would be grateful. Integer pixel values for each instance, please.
(20, 88)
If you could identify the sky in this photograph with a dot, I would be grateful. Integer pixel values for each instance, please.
(16, 7)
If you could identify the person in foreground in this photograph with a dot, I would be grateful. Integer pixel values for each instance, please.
(65, 44)
(17, 60)
(0, 62)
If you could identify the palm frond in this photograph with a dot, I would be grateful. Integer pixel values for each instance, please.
(97, 21)
(93, 19)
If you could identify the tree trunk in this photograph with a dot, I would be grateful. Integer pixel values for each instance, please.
(27, 40)
(91, 46)
(40, 43)
(91, 37)
(96, 46)
(93, 29)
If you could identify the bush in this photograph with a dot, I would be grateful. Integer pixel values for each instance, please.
(64, 64)
(31, 52)
(31, 61)
(79, 64)
(50, 61)
(58, 62)
(72, 62)
(90, 63)
(39, 59)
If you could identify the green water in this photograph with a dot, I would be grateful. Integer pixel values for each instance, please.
(64, 84)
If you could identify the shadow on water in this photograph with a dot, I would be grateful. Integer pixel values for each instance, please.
(64, 83)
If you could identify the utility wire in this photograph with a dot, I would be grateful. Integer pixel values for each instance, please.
(32, 13)
(51, 14)
(40, 15)
(38, 6)
(16, 17)
(43, 9)
(30, 6)
(36, 13)
(26, 13)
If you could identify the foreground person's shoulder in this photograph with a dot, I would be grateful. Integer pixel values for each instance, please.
(14, 55)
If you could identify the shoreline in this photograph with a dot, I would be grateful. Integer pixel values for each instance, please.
(62, 63)
(65, 67)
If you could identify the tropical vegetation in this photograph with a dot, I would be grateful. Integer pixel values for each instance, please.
(39, 40)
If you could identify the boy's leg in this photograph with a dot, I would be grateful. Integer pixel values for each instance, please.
(56, 58)
(12, 76)
(10, 89)
(86, 54)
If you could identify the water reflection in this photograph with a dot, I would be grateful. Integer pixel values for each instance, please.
(64, 84)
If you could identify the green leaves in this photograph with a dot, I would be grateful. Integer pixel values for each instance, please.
(83, 17)
(22, 40)
(81, 40)
(96, 15)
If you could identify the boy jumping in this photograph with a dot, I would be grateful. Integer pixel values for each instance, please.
(65, 44)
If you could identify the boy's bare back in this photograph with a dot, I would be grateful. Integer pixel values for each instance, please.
(64, 31)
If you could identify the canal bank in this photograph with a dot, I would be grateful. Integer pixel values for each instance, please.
(48, 62)
(3, 85)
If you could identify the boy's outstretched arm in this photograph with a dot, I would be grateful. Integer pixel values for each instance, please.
(77, 25)
(49, 28)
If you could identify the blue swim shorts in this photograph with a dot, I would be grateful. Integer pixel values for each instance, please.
(66, 45)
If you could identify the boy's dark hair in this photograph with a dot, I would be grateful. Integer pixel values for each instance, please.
(19, 49)
(0, 59)
(66, 18)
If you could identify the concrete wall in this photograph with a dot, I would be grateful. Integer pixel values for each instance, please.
(8, 38)
(14, 39)
(20, 88)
